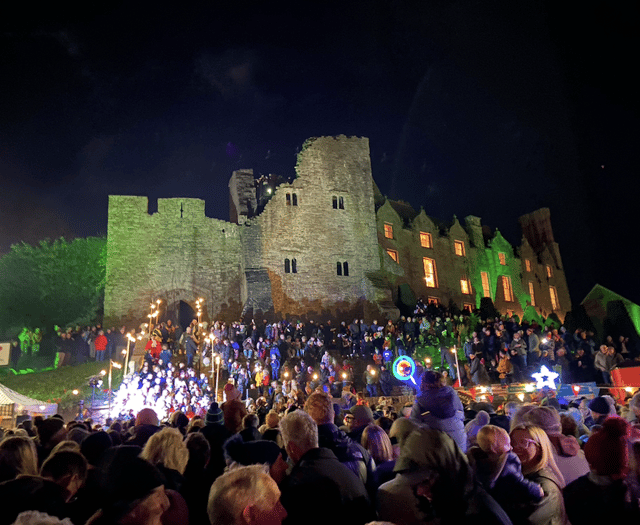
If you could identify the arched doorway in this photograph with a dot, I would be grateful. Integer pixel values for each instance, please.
(185, 314)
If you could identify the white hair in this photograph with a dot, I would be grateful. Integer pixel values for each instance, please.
(299, 428)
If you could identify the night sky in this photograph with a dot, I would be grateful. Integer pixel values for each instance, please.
(487, 108)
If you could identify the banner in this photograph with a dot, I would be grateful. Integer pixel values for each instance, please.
(5, 353)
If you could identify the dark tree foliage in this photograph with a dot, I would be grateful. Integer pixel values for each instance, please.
(55, 282)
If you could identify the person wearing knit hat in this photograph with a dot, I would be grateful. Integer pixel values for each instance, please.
(600, 410)
(216, 434)
(472, 427)
(214, 415)
(566, 449)
(602, 496)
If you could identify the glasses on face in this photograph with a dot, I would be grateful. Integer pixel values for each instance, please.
(524, 443)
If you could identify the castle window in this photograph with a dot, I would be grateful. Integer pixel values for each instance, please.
(555, 305)
(425, 240)
(549, 271)
(465, 286)
(294, 198)
(506, 287)
(458, 247)
(388, 230)
(393, 254)
(430, 275)
(338, 203)
(341, 203)
(287, 266)
(342, 268)
(502, 258)
(294, 266)
(527, 265)
(433, 300)
(468, 307)
(335, 203)
(532, 294)
(288, 199)
(486, 289)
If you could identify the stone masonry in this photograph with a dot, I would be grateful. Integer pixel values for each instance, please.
(320, 248)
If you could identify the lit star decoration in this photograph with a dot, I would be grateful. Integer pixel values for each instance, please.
(545, 378)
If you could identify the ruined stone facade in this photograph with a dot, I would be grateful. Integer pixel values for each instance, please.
(318, 248)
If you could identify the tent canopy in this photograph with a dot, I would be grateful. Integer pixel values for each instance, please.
(10, 399)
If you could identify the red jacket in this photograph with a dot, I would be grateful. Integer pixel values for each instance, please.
(101, 343)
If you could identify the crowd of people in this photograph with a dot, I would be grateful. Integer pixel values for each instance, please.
(312, 460)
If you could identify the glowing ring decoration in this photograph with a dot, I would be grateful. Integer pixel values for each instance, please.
(404, 368)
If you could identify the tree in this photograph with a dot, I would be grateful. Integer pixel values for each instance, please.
(55, 282)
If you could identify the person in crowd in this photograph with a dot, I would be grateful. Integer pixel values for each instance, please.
(245, 496)
(167, 451)
(348, 451)
(66, 468)
(607, 452)
(18, 456)
(499, 471)
(318, 476)
(435, 483)
(378, 444)
(440, 408)
(534, 450)
(566, 450)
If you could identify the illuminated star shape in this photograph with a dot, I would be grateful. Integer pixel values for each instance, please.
(545, 378)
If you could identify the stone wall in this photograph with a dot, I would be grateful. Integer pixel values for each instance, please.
(324, 217)
(176, 254)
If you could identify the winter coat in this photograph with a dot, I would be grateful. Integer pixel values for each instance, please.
(568, 456)
(441, 409)
(550, 509)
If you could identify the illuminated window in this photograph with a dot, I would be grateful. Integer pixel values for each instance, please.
(502, 259)
(433, 300)
(527, 265)
(425, 240)
(388, 230)
(465, 286)
(508, 291)
(458, 247)
(430, 275)
(533, 297)
(486, 289)
(555, 305)
(393, 254)
(549, 271)
(468, 307)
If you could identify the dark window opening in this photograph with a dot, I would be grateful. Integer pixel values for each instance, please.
(181, 210)
(287, 266)
(341, 203)
(339, 268)
(295, 199)
(335, 203)
(345, 268)
(288, 199)
(152, 206)
(294, 266)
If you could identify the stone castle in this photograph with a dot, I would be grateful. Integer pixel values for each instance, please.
(326, 245)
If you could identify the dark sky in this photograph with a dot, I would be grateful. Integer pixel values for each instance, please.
(485, 108)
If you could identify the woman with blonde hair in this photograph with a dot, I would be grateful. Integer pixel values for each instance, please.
(18, 456)
(532, 446)
(167, 451)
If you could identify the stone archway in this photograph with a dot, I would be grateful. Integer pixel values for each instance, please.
(186, 314)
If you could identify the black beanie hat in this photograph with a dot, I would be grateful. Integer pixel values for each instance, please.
(251, 452)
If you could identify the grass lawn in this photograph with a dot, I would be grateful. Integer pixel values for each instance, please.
(57, 386)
